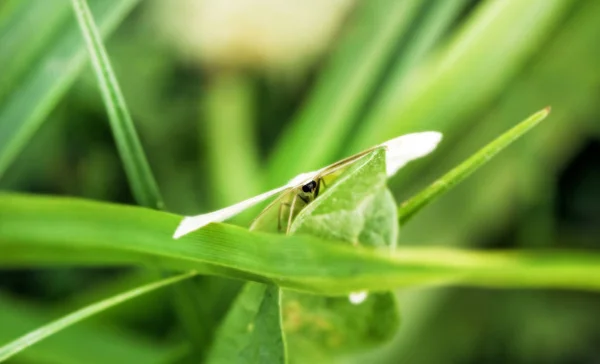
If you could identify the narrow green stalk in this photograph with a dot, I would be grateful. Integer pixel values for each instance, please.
(95, 343)
(465, 169)
(227, 126)
(141, 180)
(52, 328)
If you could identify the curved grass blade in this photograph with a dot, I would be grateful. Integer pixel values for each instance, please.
(143, 185)
(50, 329)
(42, 231)
(462, 171)
(26, 100)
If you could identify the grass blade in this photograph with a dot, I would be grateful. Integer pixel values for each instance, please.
(26, 100)
(41, 231)
(95, 344)
(465, 169)
(43, 332)
(143, 185)
(142, 182)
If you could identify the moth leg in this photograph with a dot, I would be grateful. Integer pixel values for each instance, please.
(318, 189)
(290, 217)
(280, 215)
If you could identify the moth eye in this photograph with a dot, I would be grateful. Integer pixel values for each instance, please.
(309, 187)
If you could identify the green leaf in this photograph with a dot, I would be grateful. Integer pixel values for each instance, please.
(52, 328)
(40, 66)
(318, 327)
(465, 169)
(356, 209)
(357, 202)
(251, 333)
(343, 88)
(141, 180)
(267, 344)
(42, 231)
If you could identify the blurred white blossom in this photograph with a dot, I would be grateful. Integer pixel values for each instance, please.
(258, 34)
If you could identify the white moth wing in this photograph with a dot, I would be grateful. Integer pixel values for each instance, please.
(406, 148)
(193, 223)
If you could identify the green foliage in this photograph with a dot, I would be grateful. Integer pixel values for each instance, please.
(319, 327)
(469, 69)
(251, 332)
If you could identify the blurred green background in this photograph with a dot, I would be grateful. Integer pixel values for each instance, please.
(231, 98)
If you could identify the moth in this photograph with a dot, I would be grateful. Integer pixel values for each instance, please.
(304, 188)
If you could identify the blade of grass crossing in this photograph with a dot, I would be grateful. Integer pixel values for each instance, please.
(43, 332)
(142, 182)
(84, 343)
(38, 231)
(462, 171)
(143, 185)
